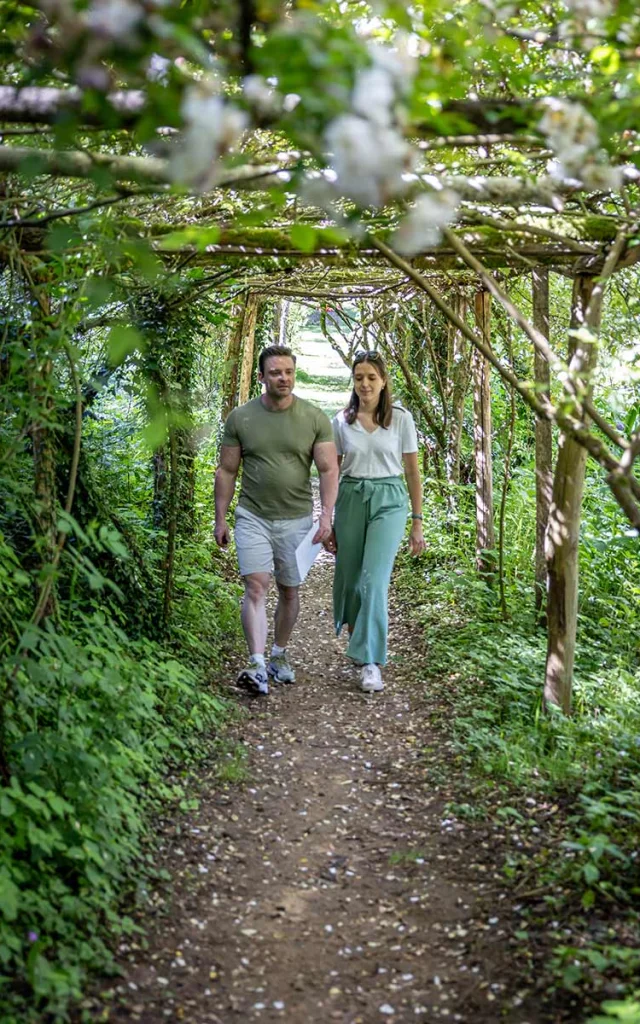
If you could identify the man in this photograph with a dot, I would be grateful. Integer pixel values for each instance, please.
(276, 437)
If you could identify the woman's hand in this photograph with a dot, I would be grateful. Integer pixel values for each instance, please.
(330, 544)
(417, 543)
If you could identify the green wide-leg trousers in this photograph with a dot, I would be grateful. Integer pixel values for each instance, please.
(370, 521)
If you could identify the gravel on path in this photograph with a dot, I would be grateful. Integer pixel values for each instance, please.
(330, 885)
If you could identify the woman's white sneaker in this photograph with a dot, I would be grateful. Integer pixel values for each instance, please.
(371, 679)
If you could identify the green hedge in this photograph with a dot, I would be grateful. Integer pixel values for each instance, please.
(92, 720)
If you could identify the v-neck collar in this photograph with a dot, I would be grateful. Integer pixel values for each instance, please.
(364, 429)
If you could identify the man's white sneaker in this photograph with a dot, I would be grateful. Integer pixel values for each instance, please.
(280, 670)
(371, 679)
(254, 679)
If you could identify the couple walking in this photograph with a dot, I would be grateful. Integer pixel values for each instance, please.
(360, 460)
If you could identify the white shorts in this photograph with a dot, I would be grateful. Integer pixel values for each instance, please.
(269, 545)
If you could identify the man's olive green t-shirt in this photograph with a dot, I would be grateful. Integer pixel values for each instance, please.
(277, 450)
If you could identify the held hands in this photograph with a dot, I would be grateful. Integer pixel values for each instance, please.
(330, 544)
(324, 531)
(221, 534)
(417, 543)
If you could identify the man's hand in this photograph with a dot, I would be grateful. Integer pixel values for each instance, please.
(222, 535)
(324, 530)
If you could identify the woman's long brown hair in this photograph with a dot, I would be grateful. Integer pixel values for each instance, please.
(383, 412)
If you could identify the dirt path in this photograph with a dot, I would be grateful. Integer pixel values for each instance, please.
(331, 886)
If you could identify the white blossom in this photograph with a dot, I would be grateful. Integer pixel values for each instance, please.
(422, 227)
(115, 19)
(572, 134)
(374, 95)
(213, 126)
(318, 189)
(571, 131)
(399, 60)
(585, 10)
(368, 154)
(603, 177)
(261, 95)
(369, 160)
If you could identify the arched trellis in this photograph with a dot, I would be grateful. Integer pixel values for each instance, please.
(332, 277)
(88, 188)
(506, 225)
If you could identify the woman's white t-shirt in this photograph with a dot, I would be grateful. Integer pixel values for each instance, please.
(376, 454)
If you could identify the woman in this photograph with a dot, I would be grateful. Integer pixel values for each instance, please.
(375, 440)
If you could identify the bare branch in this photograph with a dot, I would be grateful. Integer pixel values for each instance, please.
(539, 403)
(71, 211)
(538, 339)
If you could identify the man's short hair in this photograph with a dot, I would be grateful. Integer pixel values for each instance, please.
(271, 351)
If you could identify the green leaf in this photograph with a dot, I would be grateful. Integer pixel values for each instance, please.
(9, 896)
(155, 433)
(64, 236)
(303, 237)
(7, 806)
(607, 57)
(198, 237)
(122, 341)
(97, 291)
(597, 960)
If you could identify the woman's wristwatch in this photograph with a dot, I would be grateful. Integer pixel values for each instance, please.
(416, 515)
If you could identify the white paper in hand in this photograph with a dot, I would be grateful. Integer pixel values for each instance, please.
(307, 552)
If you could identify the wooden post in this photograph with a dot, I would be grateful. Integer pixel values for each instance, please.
(275, 323)
(248, 346)
(564, 523)
(232, 360)
(284, 316)
(458, 375)
(543, 439)
(485, 533)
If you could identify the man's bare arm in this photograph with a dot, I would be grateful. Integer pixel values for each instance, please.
(326, 460)
(330, 543)
(225, 485)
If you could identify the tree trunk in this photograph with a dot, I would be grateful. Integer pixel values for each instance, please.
(232, 361)
(543, 438)
(40, 376)
(159, 502)
(248, 347)
(172, 529)
(459, 367)
(485, 533)
(564, 522)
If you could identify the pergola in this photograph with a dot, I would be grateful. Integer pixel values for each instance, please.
(526, 224)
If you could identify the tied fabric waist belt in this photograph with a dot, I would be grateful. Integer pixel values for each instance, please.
(366, 486)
